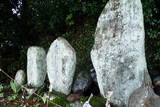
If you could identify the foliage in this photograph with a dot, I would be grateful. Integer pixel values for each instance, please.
(1, 95)
(12, 97)
(59, 101)
(152, 28)
(83, 99)
(55, 15)
(82, 43)
(96, 101)
(69, 105)
(15, 86)
(69, 20)
(42, 21)
(1, 89)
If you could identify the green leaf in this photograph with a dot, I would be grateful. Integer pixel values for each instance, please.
(69, 105)
(37, 105)
(1, 94)
(69, 17)
(13, 97)
(14, 86)
(1, 87)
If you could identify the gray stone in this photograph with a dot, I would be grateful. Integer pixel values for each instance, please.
(20, 77)
(156, 81)
(93, 75)
(61, 63)
(36, 66)
(82, 82)
(118, 54)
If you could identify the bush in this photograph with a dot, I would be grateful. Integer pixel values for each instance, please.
(152, 28)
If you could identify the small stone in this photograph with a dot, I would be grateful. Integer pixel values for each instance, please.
(20, 77)
(82, 82)
(74, 97)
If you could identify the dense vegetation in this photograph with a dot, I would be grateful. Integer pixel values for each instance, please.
(41, 21)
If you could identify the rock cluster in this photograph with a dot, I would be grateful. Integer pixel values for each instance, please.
(59, 64)
(118, 57)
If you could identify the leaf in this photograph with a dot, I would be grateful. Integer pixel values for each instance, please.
(13, 97)
(37, 105)
(69, 105)
(1, 94)
(14, 86)
(1, 87)
(69, 17)
(44, 100)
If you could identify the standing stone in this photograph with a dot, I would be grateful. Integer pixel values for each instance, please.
(118, 54)
(20, 77)
(36, 66)
(61, 62)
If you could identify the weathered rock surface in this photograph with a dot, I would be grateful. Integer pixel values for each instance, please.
(144, 97)
(82, 83)
(118, 54)
(36, 66)
(61, 62)
(93, 75)
(20, 77)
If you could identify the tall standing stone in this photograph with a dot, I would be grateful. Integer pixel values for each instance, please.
(61, 62)
(36, 66)
(118, 54)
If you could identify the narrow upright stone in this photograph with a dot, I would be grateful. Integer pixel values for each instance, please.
(36, 66)
(118, 54)
(61, 62)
